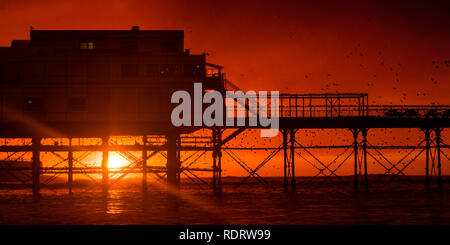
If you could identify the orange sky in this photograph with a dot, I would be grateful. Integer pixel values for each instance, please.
(276, 44)
(291, 46)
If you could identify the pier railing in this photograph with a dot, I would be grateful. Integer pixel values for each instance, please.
(333, 106)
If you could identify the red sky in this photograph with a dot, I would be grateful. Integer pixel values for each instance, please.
(274, 45)
(396, 47)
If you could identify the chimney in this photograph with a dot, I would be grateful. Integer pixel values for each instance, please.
(135, 28)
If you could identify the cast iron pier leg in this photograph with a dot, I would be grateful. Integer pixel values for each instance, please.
(438, 151)
(105, 170)
(217, 161)
(214, 155)
(144, 163)
(285, 176)
(366, 180)
(36, 165)
(292, 139)
(70, 172)
(355, 153)
(172, 161)
(427, 163)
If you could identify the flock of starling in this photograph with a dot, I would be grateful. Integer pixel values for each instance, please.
(393, 68)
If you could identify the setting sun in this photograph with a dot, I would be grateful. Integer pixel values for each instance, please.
(116, 161)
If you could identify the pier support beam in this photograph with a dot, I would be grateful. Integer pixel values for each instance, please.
(292, 139)
(286, 159)
(364, 147)
(36, 166)
(217, 160)
(105, 159)
(214, 156)
(144, 163)
(427, 158)
(289, 165)
(173, 161)
(438, 152)
(355, 154)
(70, 162)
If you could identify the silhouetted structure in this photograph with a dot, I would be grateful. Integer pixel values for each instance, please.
(96, 83)
(110, 82)
(75, 84)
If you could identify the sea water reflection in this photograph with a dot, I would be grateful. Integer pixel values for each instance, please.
(250, 204)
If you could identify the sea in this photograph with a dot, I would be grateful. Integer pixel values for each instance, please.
(248, 203)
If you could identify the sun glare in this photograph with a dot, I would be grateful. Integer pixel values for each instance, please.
(116, 161)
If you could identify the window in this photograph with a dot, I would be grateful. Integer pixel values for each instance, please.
(87, 45)
(77, 104)
(130, 70)
(169, 47)
(34, 104)
(128, 45)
